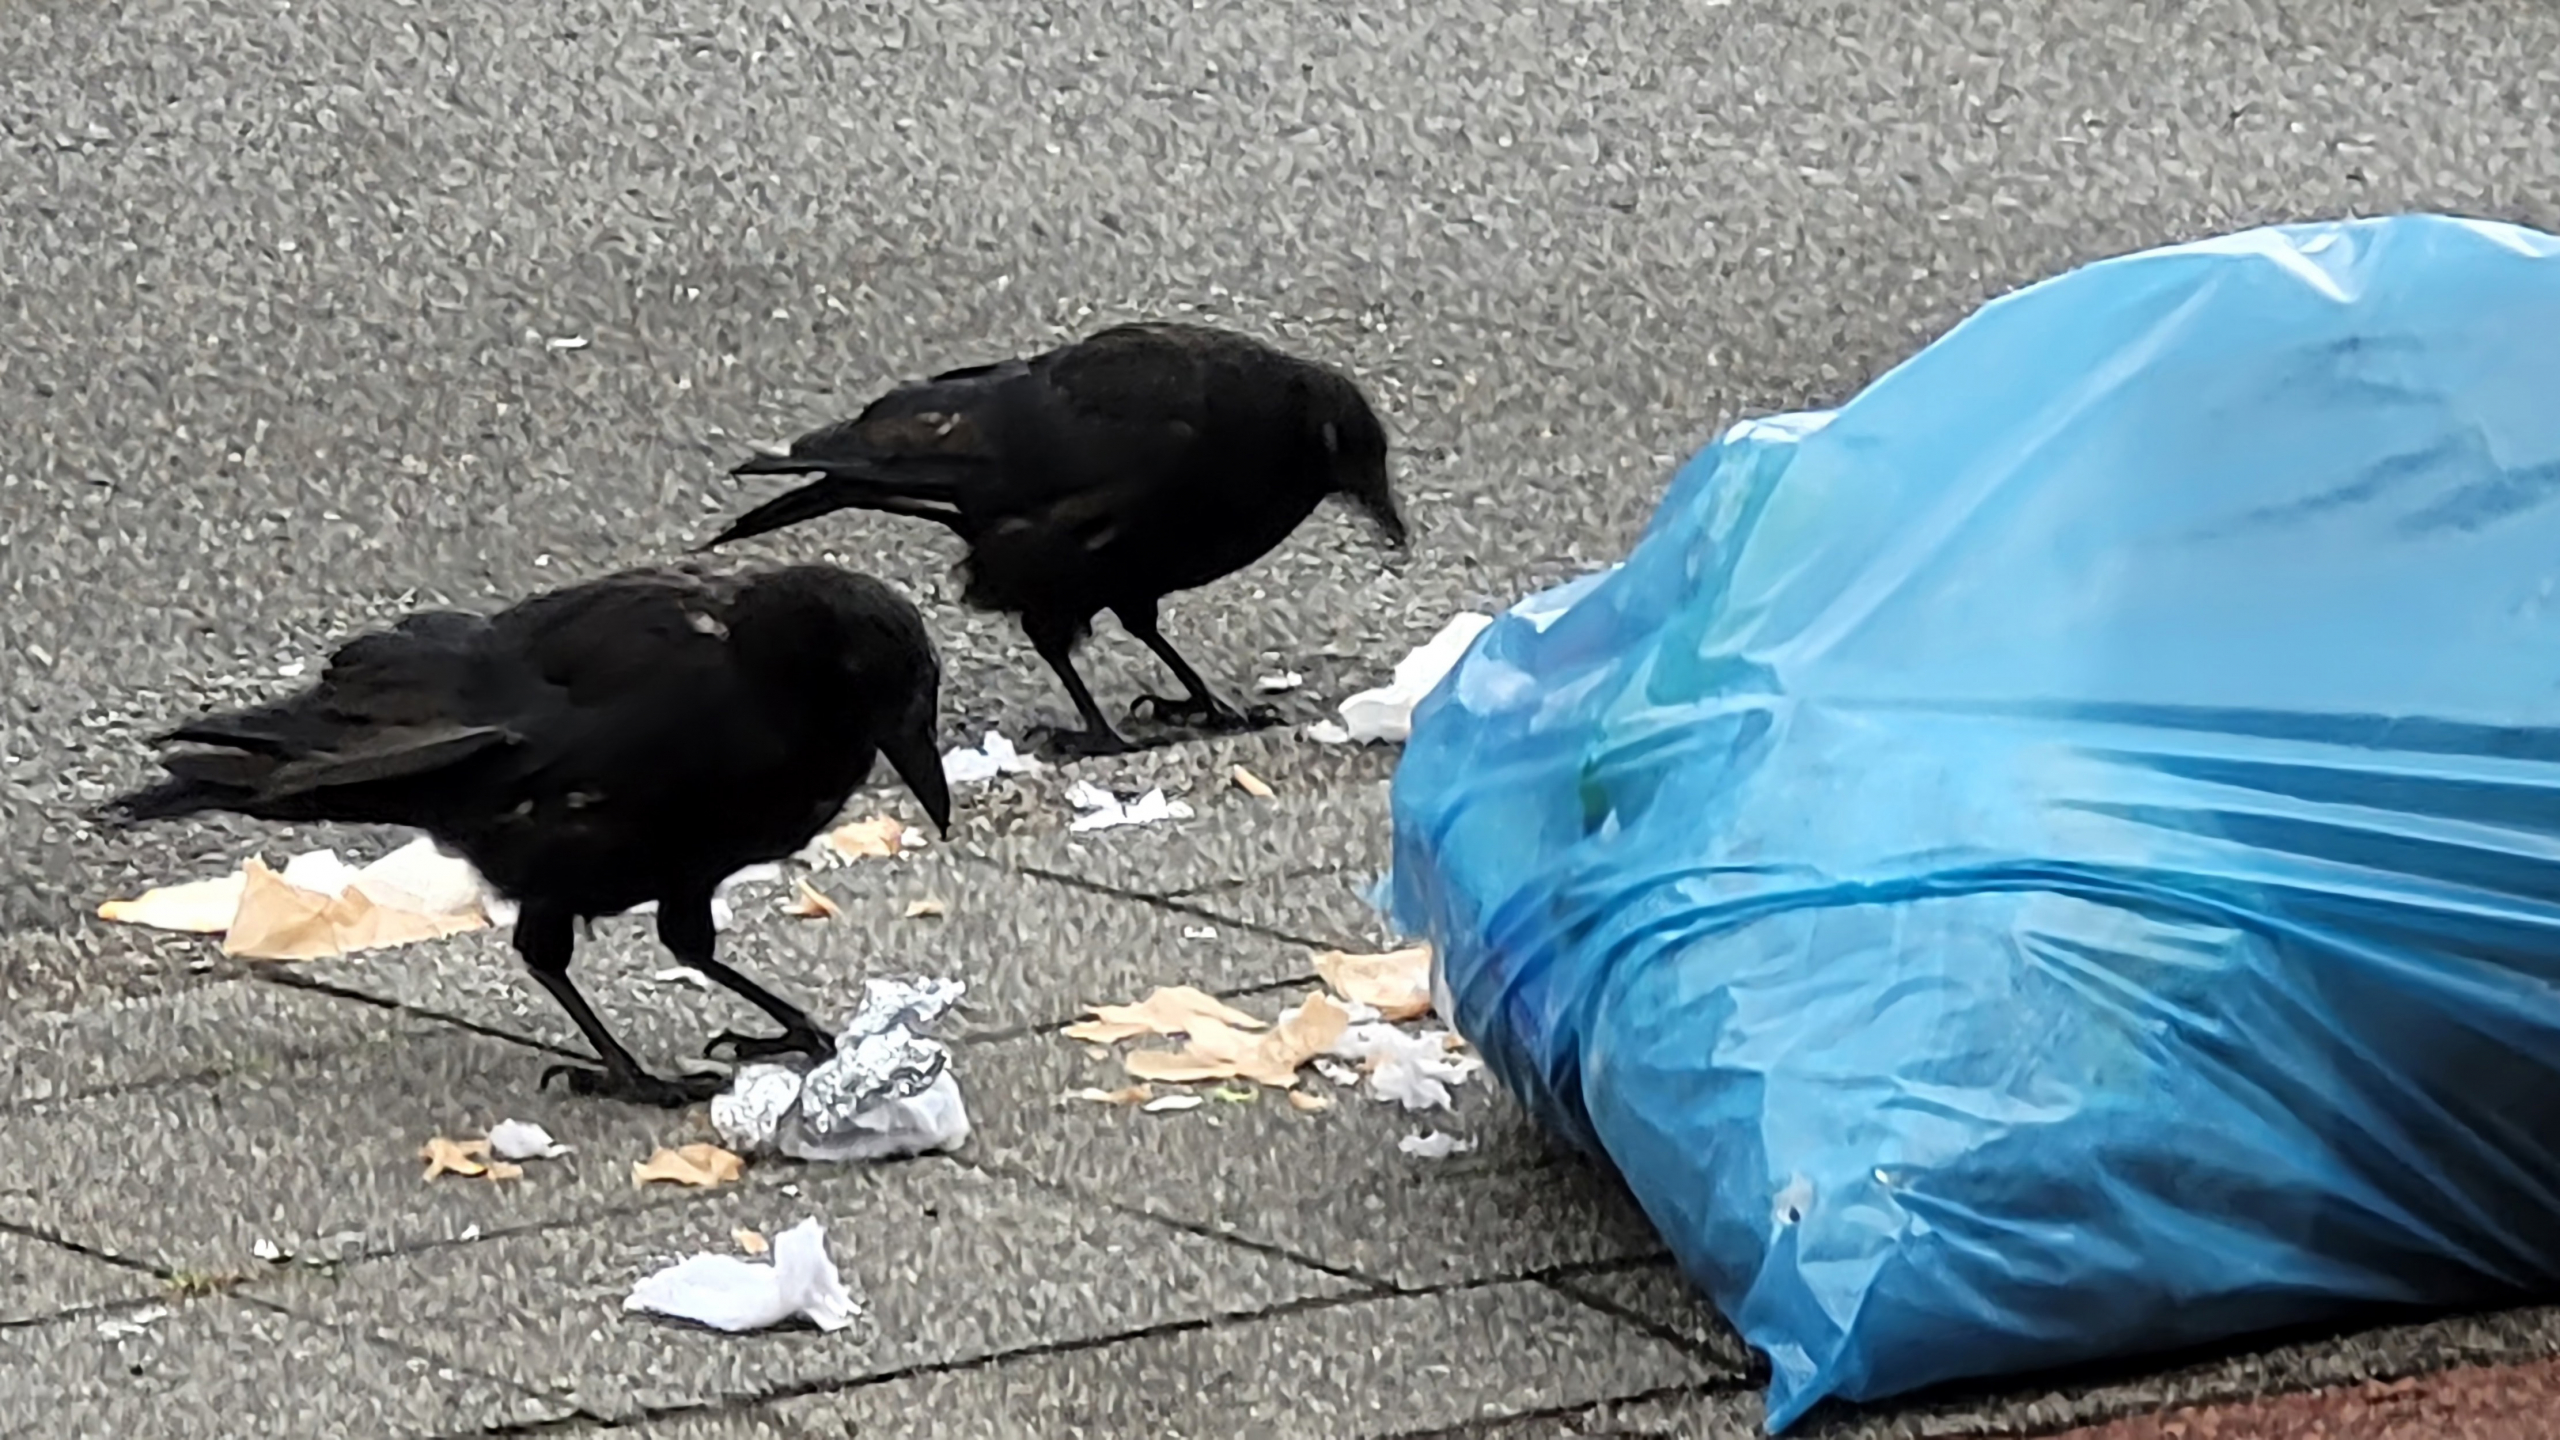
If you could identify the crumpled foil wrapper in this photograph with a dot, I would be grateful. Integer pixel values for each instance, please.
(855, 1103)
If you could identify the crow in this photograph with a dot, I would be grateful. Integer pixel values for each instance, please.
(1106, 474)
(638, 737)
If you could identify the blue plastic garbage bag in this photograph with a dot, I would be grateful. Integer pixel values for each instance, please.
(2060, 857)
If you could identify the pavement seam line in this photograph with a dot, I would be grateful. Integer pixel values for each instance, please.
(1494, 1425)
(1311, 1304)
(1168, 903)
(1011, 1170)
(388, 1341)
(1628, 1315)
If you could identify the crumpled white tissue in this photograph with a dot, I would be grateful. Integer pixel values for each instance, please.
(1413, 1069)
(994, 756)
(737, 1295)
(1103, 810)
(1386, 713)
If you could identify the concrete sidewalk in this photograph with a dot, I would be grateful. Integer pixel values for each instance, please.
(1234, 1270)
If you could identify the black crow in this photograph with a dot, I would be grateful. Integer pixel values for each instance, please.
(639, 737)
(1103, 475)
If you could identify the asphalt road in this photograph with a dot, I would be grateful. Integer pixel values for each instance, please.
(284, 285)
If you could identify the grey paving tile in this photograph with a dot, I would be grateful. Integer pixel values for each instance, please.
(751, 1423)
(191, 1176)
(1658, 1296)
(1331, 1185)
(228, 1025)
(953, 1265)
(1377, 1367)
(38, 1279)
(1032, 951)
(224, 1367)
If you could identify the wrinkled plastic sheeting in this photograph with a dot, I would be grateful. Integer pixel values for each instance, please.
(2059, 858)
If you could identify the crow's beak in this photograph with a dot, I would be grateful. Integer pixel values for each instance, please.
(1390, 520)
(912, 754)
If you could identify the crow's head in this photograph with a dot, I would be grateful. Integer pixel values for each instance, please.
(1354, 444)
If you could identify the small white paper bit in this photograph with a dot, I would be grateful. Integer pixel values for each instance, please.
(1434, 1145)
(993, 756)
(1413, 1070)
(1281, 683)
(1103, 810)
(1386, 713)
(523, 1140)
(735, 1295)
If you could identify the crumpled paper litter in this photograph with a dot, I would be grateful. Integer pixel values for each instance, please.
(887, 1092)
(734, 1295)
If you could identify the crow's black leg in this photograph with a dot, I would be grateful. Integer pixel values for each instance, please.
(686, 930)
(546, 937)
(1201, 707)
(1055, 640)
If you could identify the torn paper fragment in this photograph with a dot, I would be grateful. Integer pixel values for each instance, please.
(1166, 1104)
(268, 1250)
(523, 1140)
(681, 975)
(1396, 984)
(1386, 713)
(1125, 1095)
(698, 1165)
(807, 903)
(454, 1157)
(1167, 1010)
(1281, 683)
(926, 909)
(566, 342)
(1216, 1051)
(1435, 1145)
(1310, 1101)
(420, 877)
(125, 1327)
(1102, 810)
(1250, 783)
(875, 838)
(750, 1241)
(198, 907)
(1326, 732)
(278, 920)
(994, 756)
(736, 1296)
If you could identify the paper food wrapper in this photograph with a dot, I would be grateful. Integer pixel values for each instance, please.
(277, 921)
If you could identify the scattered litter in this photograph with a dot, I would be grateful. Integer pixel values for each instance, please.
(1414, 1070)
(523, 1140)
(469, 1234)
(568, 342)
(268, 1250)
(808, 904)
(700, 1165)
(199, 907)
(125, 1327)
(926, 909)
(1280, 684)
(1386, 713)
(1234, 1095)
(751, 1241)
(876, 838)
(1396, 984)
(319, 905)
(467, 1158)
(734, 1295)
(1310, 1101)
(1199, 932)
(1250, 783)
(1167, 1010)
(1125, 1095)
(994, 756)
(682, 975)
(1326, 732)
(1165, 1103)
(1103, 810)
(1337, 1072)
(1436, 1145)
(886, 1092)
(1218, 1051)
